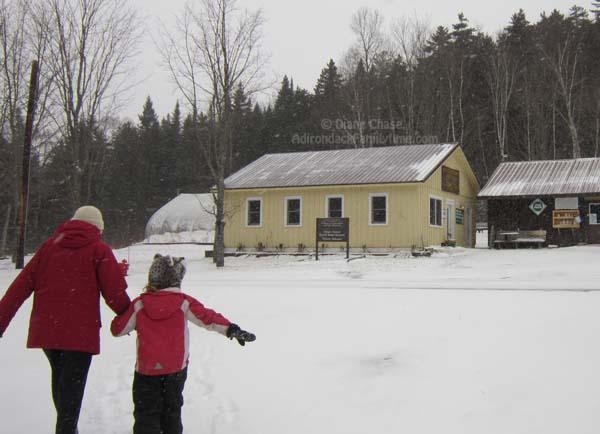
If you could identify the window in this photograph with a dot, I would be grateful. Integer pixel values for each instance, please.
(594, 213)
(254, 212)
(435, 211)
(293, 211)
(335, 206)
(378, 209)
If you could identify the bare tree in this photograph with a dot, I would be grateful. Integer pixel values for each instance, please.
(371, 42)
(410, 36)
(367, 25)
(215, 48)
(91, 43)
(13, 79)
(501, 76)
(564, 64)
(21, 41)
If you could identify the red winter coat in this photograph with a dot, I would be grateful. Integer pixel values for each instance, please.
(160, 319)
(67, 275)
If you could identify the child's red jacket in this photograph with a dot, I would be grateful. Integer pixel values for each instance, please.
(160, 319)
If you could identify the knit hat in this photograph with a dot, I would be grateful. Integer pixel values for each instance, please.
(166, 272)
(89, 214)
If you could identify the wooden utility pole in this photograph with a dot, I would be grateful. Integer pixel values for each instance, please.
(24, 192)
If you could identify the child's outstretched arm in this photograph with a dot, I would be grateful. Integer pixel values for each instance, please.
(211, 320)
(125, 323)
(204, 317)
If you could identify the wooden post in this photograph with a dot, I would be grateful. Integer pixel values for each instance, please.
(24, 192)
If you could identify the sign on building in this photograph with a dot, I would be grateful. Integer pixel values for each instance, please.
(460, 216)
(537, 206)
(450, 180)
(333, 229)
(566, 219)
(566, 203)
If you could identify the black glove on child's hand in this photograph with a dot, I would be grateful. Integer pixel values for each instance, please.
(235, 332)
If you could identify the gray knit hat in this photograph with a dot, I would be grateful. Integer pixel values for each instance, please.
(166, 272)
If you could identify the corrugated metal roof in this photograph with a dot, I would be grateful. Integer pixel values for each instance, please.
(540, 178)
(395, 164)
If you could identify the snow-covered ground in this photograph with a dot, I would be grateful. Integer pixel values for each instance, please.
(465, 342)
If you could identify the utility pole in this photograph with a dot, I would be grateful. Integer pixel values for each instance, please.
(24, 192)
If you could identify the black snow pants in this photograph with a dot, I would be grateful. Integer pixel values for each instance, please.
(69, 375)
(157, 403)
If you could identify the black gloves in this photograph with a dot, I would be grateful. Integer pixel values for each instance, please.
(242, 336)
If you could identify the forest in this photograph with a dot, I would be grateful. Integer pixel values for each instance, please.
(530, 92)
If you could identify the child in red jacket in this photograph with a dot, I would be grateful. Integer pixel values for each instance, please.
(160, 318)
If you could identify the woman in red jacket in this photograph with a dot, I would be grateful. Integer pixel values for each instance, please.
(67, 275)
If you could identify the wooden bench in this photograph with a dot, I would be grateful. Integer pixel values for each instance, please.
(520, 238)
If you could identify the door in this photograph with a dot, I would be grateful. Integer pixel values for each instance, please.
(450, 220)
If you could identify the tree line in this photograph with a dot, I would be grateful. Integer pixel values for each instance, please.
(532, 91)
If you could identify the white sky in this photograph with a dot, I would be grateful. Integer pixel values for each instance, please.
(301, 36)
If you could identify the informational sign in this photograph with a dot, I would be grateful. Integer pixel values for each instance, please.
(566, 203)
(593, 219)
(537, 206)
(450, 180)
(566, 219)
(460, 216)
(333, 229)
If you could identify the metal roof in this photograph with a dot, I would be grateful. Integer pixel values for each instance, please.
(394, 164)
(544, 178)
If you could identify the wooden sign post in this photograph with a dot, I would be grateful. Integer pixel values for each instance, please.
(334, 229)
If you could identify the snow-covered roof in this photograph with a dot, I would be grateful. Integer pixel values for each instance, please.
(540, 178)
(185, 213)
(389, 165)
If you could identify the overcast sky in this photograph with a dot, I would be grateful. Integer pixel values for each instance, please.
(301, 36)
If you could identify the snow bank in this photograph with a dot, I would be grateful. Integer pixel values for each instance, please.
(182, 237)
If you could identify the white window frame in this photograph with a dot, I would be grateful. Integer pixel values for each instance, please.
(334, 196)
(597, 215)
(259, 199)
(387, 208)
(285, 212)
(441, 199)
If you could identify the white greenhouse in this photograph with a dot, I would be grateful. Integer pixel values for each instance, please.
(188, 218)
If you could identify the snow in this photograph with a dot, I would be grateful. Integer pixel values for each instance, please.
(465, 342)
(188, 213)
(202, 236)
(424, 168)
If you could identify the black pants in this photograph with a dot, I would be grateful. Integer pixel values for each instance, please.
(69, 375)
(157, 403)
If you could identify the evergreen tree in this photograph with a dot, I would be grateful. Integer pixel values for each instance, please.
(329, 84)
(596, 9)
(124, 197)
(329, 104)
(152, 157)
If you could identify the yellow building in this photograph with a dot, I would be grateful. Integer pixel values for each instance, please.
(394, 197)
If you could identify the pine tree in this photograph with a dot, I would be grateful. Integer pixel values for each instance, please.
(329, 84)
(152, 157)
(124, 192)
(596, 9)
(462, 33)
(242, 142)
